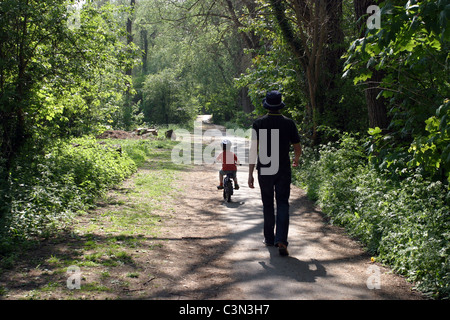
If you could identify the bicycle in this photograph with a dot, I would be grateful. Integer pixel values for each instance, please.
(228, 187)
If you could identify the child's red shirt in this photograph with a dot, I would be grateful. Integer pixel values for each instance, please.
(229, 161)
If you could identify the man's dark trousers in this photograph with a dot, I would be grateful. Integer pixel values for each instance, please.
(280, 184)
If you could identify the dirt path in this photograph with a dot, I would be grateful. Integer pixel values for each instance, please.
(217, 250)
(221, 255)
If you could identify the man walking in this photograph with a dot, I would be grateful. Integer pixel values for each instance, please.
(273, 134)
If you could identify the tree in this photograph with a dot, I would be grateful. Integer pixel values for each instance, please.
(376, 104)
(229, 16)
(315, 37)
(251, 41)
(127, 108)
(57, 78)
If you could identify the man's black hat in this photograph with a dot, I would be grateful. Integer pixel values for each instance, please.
(273, 101)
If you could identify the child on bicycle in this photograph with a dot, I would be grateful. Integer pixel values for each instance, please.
(229, 161)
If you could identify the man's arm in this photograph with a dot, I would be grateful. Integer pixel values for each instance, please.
(297, 154)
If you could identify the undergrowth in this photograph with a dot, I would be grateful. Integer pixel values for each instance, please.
(46, 189)
(403, 219)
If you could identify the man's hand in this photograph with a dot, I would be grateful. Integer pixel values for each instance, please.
(297, 154)
(251, 182)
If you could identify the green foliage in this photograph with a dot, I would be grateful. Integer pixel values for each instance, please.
(165, 101)
(56, 79)
(411, 50)
(405, 222)
(273, 67)
(45, 190)
(139, 151)
(432, 152)
(429, 152)
(388, 154)
(241, 120)
(190, 65)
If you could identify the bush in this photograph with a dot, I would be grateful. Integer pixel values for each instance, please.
(45, 190)
(405, 222)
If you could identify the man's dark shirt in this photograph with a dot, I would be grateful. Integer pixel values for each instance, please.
(288, 134)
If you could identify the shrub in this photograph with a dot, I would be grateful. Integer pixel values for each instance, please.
(405, 222)
(44, 190)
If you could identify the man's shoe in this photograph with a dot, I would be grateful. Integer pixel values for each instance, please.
(282, 249)
(236, 187)
(220, 187)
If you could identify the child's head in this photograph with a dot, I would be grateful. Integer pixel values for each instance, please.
(226, 145)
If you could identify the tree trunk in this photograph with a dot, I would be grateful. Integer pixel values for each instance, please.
(334, 48)
(144, 36)
(377, 110)
(130, 31)
(128, 109)
(13, 117)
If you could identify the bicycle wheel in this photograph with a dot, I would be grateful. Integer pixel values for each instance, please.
(228, 194)
(227, 189)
